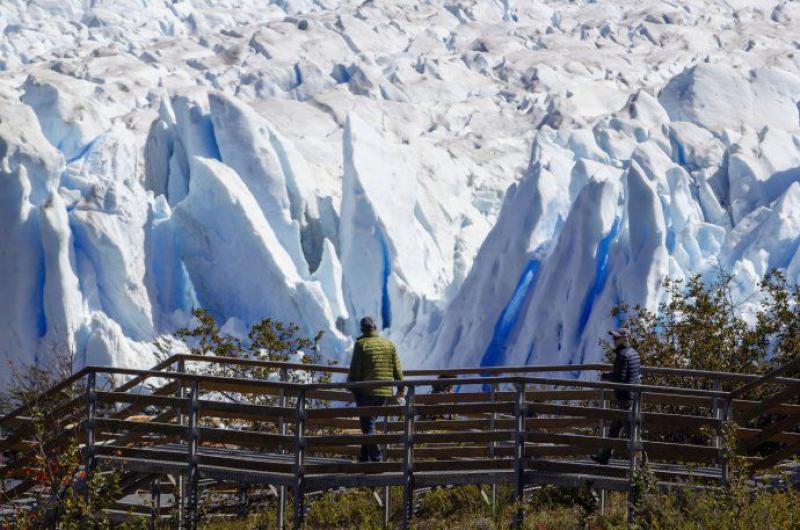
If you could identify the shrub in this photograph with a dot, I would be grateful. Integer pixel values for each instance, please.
(701, 326)
(62, 493)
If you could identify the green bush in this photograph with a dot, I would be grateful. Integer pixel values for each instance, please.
(63, 493)
(701, 326)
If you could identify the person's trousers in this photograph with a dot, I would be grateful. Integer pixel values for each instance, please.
(369, 452)
(616, 427)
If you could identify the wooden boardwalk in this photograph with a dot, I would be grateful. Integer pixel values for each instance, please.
(185, 441)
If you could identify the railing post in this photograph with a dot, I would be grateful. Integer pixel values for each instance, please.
(299, 450)
(634, 447)
(493, 443)
(91, 412)
(716, 412)
(241, 499)
(192, 472)
(284, 374)
(604, 404)
(408, 458)
(181, 420)
(726, 416)
(386, 489)
(519, 453)
(155, 498)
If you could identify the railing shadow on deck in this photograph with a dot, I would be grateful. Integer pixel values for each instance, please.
(521, 429)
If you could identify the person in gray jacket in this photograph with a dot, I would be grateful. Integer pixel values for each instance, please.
(627, 369)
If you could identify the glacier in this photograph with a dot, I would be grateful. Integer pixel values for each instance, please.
(485, 178)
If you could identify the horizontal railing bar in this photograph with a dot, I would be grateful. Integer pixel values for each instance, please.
(140, 399)
(607, 385)
(349, 439)
(747, 405)
(365, 385)
(765, 378)
(464, 436)
(709, 374)
(207, 407)
(181, 376)
(524, 369)
(47, 393)
(506, 407)
(413, 372)
(531, 395)
(264, 364)
(207, 434)
(351, 412)
(58, 414)
(147, 427)
(743, 433)
(139, 379)
(770, 403)
(353, 467)
(494, 370)
(243, 410)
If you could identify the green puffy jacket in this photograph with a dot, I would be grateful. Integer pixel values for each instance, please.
(375, 359)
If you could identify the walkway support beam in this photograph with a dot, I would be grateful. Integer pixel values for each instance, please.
(408, 459)
(519, 453)
(192, 472)
(284, 374)
(634, 450)
(91, 412)
(180, 417)
(299, 453)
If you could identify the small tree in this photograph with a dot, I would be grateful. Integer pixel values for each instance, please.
(701, 326)
(268, 340)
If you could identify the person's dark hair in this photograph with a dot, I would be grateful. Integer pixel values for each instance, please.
(368, 324)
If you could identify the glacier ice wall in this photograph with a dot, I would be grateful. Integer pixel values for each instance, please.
(485, 178)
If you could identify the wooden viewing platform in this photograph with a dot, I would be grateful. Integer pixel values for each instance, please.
(184, 441)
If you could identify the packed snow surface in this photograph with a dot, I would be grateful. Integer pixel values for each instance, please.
(485, 178)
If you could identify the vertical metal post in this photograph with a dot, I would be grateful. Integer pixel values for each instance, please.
(299, 450)
(155, 500)
(282, 426)
(716, 413)
(604, 404)
(519, 453)
(493, 443)
(719, 412)
(91, 411)
(180, 418)
(192, 472)
(241, 494)
(387, 494)
(408, 458)
(726, 415)
(634, 447)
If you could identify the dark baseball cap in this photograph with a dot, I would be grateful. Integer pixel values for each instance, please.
(368, 324)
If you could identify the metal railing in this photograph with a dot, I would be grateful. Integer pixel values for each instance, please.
(524, 429)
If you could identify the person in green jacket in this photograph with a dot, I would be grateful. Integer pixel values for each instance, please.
(374, 359)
